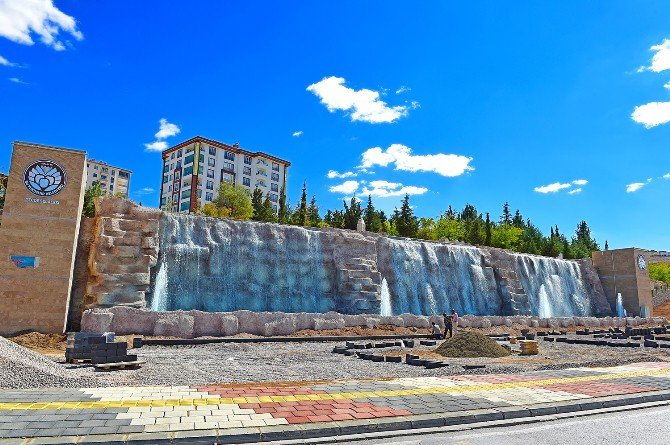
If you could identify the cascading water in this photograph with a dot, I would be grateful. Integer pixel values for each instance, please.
(433, 278)
(620, 311)
(226, 265)
(386, 307)
(554, 287)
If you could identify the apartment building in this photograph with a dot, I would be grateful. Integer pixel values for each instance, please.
(194, 169)
(113, 180)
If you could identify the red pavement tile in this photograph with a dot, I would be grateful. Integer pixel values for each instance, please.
(320, 419)
(298, 420)
(363, 415)
(341, 417)
(599, 389)
(285, 414)
(249, 405)
(323, 412)
(343, 411)
(264, 410)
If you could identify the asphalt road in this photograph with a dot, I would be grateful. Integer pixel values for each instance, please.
(646, 426)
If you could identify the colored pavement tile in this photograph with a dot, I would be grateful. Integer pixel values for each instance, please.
(165, 409)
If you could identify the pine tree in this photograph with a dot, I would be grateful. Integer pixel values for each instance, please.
(257, 203)
(300, 217)
(283, 215)
(469, 213)
(607, 246)
(517, 221)
(406, 223)
(487, 240)
(352, 213)
(313, 212)
(450, 213)
(506, 217)
(373, 222)
(473, 233)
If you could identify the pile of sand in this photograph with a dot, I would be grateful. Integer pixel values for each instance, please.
(471, 344)
(43, 343)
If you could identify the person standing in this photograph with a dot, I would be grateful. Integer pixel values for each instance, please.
(436, 331)
(447, 325)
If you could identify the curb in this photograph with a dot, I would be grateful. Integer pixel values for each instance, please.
(378, 428)
(204, 341)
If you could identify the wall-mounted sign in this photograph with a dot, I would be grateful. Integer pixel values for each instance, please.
(25, 262)
(44, 177)
(641, 262)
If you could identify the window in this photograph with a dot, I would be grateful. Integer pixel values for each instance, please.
(273, 197)
(123, 174)
(210, 172)
(262, 161)
(188, 170)
(105, 169)
(226, 178)
(261, 173)
(188, 159)
(103, 176)
(113, 172)
(199, 193)
(247, 160)
(95, 175)
(111, 179)
(201, 157)
(228, 155)
(275, 166)
(274, 208)
(179, 153)
(95, 167)
(179, 164)
(172, 157)
(186, 183)
(247, 171)
(166, 168)
(274, 187)
(209, 196)
(169, 188)
(185, 206)
(246, 181)
(186, 194)
(229, 166)
(190, 150)
(210, 185)
(111, 187)
(212, 150)
(211, 162)
(275, 176)
(163, 201)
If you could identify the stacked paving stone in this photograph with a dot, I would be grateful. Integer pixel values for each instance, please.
(98, 349)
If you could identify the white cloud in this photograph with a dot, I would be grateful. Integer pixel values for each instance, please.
(364, 104)
(652, 114)
(5, 62)
(414, 104)
(384, 189)
(19, 19)
(580, 182)
(335, 174)
(156, 146)
(17, 80)
(666, 176)
(552, 188)
(575, 191)
(145, 191)
(667, 86)
(297, 133)
(449, 165)
(403, 89)
(346, 188)
(166, 129)
(635, 186)
(661, 59)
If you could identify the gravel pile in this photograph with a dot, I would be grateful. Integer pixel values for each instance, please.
(22, 368)
(471, 344)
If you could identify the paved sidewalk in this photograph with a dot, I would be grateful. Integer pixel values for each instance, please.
(307, 409)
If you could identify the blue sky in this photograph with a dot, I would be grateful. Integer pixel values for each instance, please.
(454, 102)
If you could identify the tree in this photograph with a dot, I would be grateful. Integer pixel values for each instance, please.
(449, 228)
(517, 221)
(506, 236)
(352, 213)
(257, 204)
(213, 211)
(506, 217)
(267, 212)
(473, 231)
(300, 217)
(94, 191)
(469, 213)
(427, 229)
(234, 201)
(487, 228)
(607, 246)
(313, 213)
(284, 214)
(373, 222)
(406, 223)
(660, 272)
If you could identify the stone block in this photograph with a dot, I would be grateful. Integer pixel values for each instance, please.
(280, 327)
(229, 324)
(174, 324)
(96, 321)
(128, 320)
(417, 321)
(321, 324)
(393, 321)
(206, 323)
(304, 321)
(354, 320)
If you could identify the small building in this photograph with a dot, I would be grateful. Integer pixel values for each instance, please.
(194, 169)
(113, 180)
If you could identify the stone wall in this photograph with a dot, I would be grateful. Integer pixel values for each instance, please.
(190, 324)
(80, 274)
(123, 249)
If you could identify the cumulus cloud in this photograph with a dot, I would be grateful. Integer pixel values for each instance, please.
(402, 89)
(297, 133)
(635, 186)
(364, 105)
(449, 165)
(666, 176)
(661, 59)
(384, 189)
(335, 174)
(652, 114)
(17, 80)
(346, 188)
(580, 182)
(166, 129)
(5, 62)
(575, 191)
(20, 19)
(156, 146)
(145, 191)
(552, 188)
(667, 86)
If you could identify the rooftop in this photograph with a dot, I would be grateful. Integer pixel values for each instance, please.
(232, 148)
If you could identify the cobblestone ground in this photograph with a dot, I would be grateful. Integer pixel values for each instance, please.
(151, 409)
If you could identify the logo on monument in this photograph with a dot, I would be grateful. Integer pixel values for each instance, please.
(44, 178)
